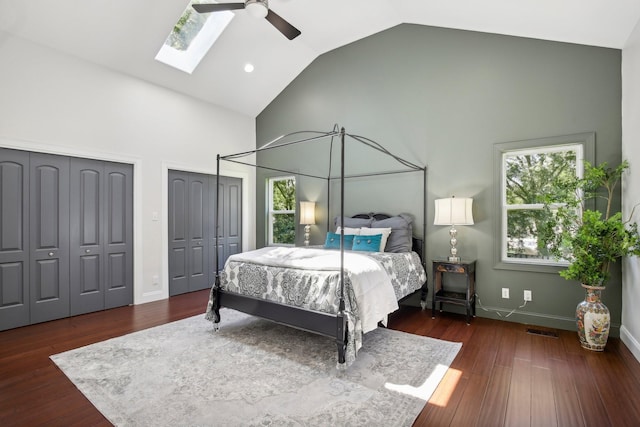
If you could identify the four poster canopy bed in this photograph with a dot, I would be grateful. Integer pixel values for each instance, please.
(342, 289)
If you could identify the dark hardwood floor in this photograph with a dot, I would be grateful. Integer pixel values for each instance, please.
(503, 376)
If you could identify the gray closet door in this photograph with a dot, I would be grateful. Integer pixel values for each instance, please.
(49, 237)
(178, 214)
(118, 235)
(188, 231)
(14, 238)
(87, 217)
(229, 218)
(198, 231)
(66, 236)
(101, 235)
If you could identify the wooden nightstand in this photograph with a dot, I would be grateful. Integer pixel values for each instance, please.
(468, 299)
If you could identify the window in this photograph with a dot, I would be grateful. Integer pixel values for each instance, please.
(281, 196)
(528, 170)
(192, 37)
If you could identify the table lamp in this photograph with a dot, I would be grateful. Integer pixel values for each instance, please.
(453, 211)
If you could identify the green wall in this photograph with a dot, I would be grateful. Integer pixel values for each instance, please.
(442, 98)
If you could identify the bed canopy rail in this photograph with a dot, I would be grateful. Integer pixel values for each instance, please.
(307, 137)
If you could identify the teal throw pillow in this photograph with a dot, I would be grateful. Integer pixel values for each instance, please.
(333, 241)
(367, 243)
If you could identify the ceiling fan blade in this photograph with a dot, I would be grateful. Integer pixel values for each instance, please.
(283, 26)
(216, 7)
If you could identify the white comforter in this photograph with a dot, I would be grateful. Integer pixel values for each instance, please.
(371, 284)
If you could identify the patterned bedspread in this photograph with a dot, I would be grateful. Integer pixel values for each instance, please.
(310, 278)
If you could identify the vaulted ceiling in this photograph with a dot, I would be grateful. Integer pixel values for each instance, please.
(125, 36)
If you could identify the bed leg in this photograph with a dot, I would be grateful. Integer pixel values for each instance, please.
(216, 319)
(215, 291)
(341, 353)
(341, 339)
(423, 295)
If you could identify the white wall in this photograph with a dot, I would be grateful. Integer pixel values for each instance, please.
(630, 330)
(52, 102)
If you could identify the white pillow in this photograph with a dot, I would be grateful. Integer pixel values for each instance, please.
(366, 231)
(349, 230)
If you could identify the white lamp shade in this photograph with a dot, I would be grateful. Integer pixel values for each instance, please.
(453, 211)
(307, 213)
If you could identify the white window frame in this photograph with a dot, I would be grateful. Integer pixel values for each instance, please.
(271, 212)
(583, 144)
(534, 206)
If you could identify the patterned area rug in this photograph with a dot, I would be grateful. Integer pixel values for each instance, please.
(256, 373)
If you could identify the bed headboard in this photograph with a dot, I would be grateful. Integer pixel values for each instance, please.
(417, 244)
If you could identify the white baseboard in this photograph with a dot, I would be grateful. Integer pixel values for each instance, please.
(630, 341)
(151, 296)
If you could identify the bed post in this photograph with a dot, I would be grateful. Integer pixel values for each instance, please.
(215, 291)
(341, 331)
(329, 228)
(425, 287)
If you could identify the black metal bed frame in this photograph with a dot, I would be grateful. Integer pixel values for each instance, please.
(326, 324)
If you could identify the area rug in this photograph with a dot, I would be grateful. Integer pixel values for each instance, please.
(255, 373)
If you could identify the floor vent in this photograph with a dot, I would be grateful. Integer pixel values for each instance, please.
(544, 333)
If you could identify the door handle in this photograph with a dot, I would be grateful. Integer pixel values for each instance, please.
(50, 254)
(87, 251)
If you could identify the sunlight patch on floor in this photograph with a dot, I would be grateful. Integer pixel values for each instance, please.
(442, 375)
(446, 388)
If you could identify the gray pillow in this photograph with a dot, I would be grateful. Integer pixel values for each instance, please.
(353, 222)
(401, 235)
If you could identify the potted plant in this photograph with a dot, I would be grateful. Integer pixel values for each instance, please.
(590, 240)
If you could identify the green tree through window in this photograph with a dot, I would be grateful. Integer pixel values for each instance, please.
(282, 210)
(529, 177)
(186, 29)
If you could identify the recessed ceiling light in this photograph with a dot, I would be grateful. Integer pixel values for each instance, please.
(248, 67)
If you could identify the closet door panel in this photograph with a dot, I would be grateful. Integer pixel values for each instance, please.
(178, 226)
(178, 268)
(49, 237)
(86, 217)
(233, 238)
(198, 211)
(14, 238)
(188, 232)
(118, 229)
(228, 219)
(220, 223)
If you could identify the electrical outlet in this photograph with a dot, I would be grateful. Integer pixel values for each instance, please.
(505, 293)
(527, 295)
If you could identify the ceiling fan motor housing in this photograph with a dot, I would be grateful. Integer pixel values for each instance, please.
(257, 8)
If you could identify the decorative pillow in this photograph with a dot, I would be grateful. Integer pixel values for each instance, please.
(348, 230)
(333, 241)
(353, 222)
(367, 243)
(364, 231)
(401, 235)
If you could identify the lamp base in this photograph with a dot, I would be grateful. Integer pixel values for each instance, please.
(454, 240)
(307, 231)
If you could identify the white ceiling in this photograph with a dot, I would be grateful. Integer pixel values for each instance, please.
(125, 35)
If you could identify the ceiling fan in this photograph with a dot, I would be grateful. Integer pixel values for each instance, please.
(257, 8)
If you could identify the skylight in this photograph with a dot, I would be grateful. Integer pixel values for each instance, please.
(192, 37)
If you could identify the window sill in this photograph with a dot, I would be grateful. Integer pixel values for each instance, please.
(522, 266)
